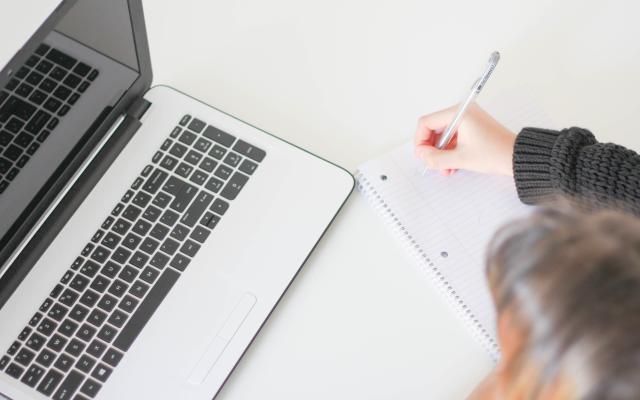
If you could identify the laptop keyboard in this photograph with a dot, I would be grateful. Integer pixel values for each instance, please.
(94, 314)
(31, 104)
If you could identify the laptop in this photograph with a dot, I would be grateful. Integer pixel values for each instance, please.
(145, 236)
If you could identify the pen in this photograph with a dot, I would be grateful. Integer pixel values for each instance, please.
(477, 86)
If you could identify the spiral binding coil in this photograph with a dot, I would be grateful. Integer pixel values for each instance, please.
(427, 266)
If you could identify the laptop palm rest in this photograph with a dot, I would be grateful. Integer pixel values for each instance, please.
(222, 338)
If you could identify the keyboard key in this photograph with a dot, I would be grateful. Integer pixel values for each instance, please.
(45, 358)
(90, 388)
(149, 246)
(214, 184)
(117, 318)
(100, 254)
(219, 206)
(232, 159)
(223, 172)
(159, 260)
(24, 357)
(250, 151)
(121, 226)
(68, 328)
(208, 164)
(152, 213)
(131, 241)
(140, 259)
(63, 111)
(200, 234)
(14, 370)
(58, 73)
(196, 125)
(202, 145)
(32, 376)
(101, 372)
(121, 255)
(162, 200)
(57, 312)
(190, 248)
(82, 69)
(169, 246)
(24, 333)
(93, 75)
(61, 58)
(90, 268)
(44, 66)
(155, 181)
(199, 177)
(107, 333)
(146, 309)
(62, 93)
(219, 136)
(234, 186)
(248, 167)
(56, 343)
(46, 304)
(89, 298)
(47, 327)
(217, 152)
(184, 170)
(86, 332)
(24, 90)
(169, 163)
(13, 349)
(197, 209)
(17, 107)
(100, 284)
(118, 287)
(183, 197)
(42, 49)
(72, 81)
(179, 262)
(4, 360)
(96, 348)
(128, 303)
(159, 232)
(187, 138)
(180, 232)
(169, 218)
(85, 363)
(128, 274)
(47, 85)
(78, 313)
(52, 104)
(13, 83)
(70, 384)
(175, 132)
(38, 97)
(111, 240)
(75, 347)
(166, 145)
(68, 297)
(64, 362)
(107, 302)
(38, 122)
(178, 150)
(193, 157)
(150, 274)
(50, 381)
(131, 212)
(185, 119)
(110, 269)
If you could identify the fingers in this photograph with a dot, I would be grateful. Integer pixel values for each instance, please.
(429, 124)
(439, 159)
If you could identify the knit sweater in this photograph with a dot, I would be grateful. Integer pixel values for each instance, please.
(572, 163)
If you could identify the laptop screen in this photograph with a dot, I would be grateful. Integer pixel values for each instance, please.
(51, 104)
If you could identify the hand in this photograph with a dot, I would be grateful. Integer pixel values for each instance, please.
(480, 144)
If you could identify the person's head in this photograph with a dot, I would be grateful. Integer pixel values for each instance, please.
(566, 286)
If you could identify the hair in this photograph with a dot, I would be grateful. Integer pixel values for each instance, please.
(572, 281)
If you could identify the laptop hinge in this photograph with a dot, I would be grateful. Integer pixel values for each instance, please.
(138, 108)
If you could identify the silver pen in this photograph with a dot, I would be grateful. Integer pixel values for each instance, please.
(448, 133)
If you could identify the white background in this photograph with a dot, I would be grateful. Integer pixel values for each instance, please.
(347, 80)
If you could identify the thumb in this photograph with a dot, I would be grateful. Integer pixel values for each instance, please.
(438, 159)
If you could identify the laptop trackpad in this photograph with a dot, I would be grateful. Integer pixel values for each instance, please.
(222, 338)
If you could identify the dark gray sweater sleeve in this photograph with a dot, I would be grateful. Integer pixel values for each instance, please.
(572, 163)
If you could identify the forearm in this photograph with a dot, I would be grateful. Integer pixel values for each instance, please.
(572, 163)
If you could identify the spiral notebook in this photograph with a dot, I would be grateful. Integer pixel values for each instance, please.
(446, 223)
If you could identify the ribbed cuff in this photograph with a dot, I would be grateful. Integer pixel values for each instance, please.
(531, 164)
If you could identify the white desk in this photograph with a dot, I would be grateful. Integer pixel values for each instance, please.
(347, 80)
